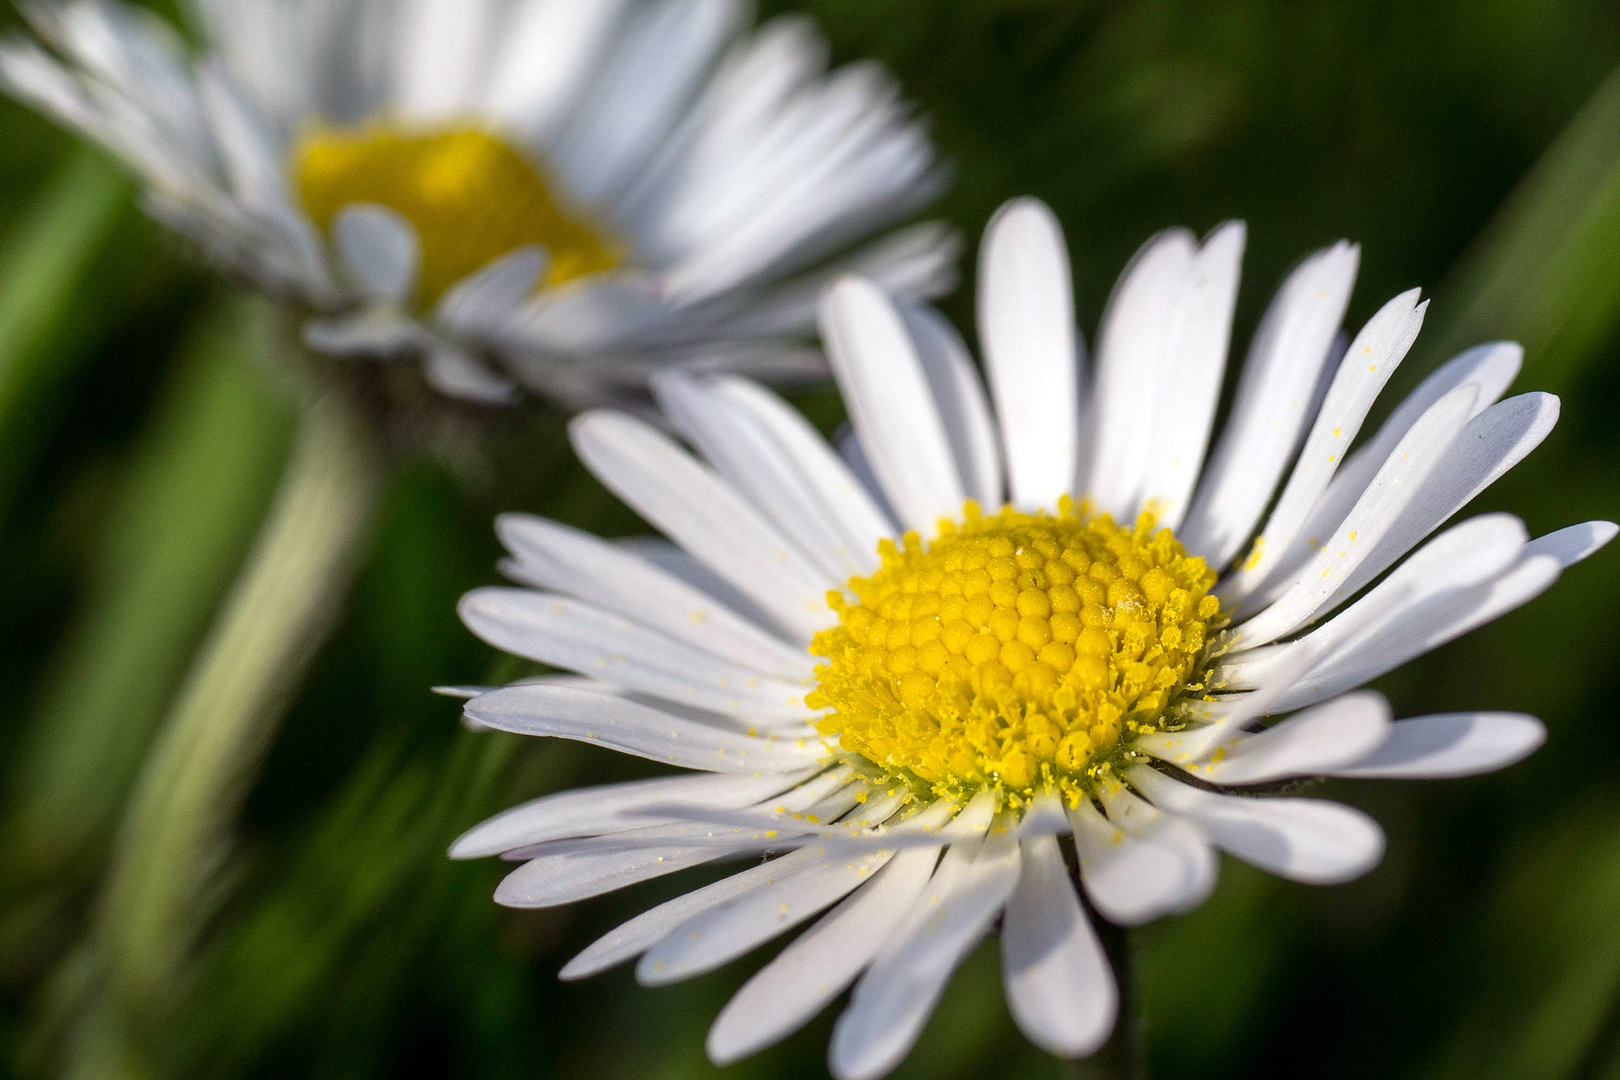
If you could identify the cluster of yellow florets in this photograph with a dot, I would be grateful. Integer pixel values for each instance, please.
(470, 196)
(1015, 650)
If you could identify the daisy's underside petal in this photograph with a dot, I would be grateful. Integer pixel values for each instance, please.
(1311, 743)
(959, 396)
(1059, 986)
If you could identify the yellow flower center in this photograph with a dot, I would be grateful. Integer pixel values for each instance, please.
(471, 197)
(1017, 650)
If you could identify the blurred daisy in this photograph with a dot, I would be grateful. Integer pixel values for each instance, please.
(1000, 631)
(578, 190)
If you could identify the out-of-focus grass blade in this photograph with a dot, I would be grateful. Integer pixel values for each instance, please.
(199, 483)
(1548, 952)
(42, 263)
(1546, 272)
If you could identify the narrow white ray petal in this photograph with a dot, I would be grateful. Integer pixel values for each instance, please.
(1272, 406)
(440, 57)
(1185, 412)
(1493, 442)
(246, 150)
(378, 250)
(487, 296)
(1417, 631)
(372, 333)
(1469, 554)
(553, 556)
(890, 404)
(1372, 358)
(596, 810)
(606, 720)
(554, 880)
(1211, 722)
(803, 487)
(1045, 816)
(894, 998)
(1027, 335)
(546, 56)
(1310, 743)
(1421, 453)
(959, 396)
(1449, 744)
(1574, 543)
(712, 938)
(1490, 367)
(1309, 840)
(825, 959)
(1132, 352)
(1141, 864)
(456, 373)
(576, 636)
(632, 938)
(705, 515)
(1059, 986)
(682, 565)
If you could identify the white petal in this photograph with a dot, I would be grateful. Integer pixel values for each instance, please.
(480, 301)
(699, 511)
(1450, 744)
(893, 1000)
(1141, 864)
(1272, 405)
(802, 485)
(1470, 554)
(441, 57)
(597, 810)
(1493, 442)
(1132, 353)
(377, 332)
(890, 404)
(1027, 334)
(1058, 983)
(1311, 743)
(546, 58)
(650, 927)
(960, 398)
(1372, 358)
(455, 372)
(825, 959)
(378, 249)
(1421, 453)
(1309, 840)
(822, 878)
(1490, 367)
(554, 556)
(1197, 358)
(575, 636)
(610, 721)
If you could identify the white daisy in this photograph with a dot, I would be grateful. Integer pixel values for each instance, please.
(580, 190)
(1017, 638)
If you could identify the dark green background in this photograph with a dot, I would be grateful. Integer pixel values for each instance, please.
(142, 438)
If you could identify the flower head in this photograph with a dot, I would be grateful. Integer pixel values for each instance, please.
(921, 670)
(559, 194)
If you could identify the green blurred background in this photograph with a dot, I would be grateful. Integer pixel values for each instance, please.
(1471, 146)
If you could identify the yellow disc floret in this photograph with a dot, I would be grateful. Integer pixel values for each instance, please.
(1017, 650)
(471, 197)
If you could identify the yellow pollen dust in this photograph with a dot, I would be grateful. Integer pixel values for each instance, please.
(1017, 650)
(470, 196)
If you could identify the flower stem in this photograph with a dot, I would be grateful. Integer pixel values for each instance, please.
(176, 832)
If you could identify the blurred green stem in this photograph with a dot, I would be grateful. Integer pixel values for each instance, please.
(176, 831)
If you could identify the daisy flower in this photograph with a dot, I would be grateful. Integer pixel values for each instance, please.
(562, 194)
(920, 675)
